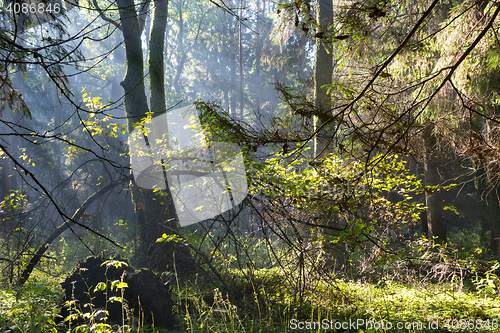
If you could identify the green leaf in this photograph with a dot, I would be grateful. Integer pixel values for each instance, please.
(117, 284)
(101, 286)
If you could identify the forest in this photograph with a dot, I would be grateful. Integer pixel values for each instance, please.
(249, 166)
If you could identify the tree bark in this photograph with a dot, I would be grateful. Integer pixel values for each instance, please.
(493, 176)
(155, 62)
(480, 188)
(257, 80)
(160, 254)
(435, 221)
(323, 71)
(240, 61)
(153, 210)
(494, 209)
(233, 83)
(136, 104)
(7, 171)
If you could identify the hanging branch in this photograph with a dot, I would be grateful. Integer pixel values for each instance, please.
(103, 16)
(62, 228)
(61, 213)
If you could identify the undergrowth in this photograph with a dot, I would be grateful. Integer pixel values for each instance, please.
(264, 303)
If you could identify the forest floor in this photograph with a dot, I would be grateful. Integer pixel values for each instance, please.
(267, 303)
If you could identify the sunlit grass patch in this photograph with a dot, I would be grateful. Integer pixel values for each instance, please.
(274, 306)
(396, 302)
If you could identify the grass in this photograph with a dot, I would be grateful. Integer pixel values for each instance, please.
(275, 309)
(267, 304)
(32, 308)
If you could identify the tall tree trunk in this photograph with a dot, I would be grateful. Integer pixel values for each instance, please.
(155, 62)
(433, 201)
(153, 211)
(421, 199)
(232, 94)
(480, 187)
(136, 104)
(135, 101)
(493, 176)
(494, 212)
(258, 53)
(240, 56)
(7, 172)
(163, 204)
(323, 69)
